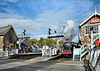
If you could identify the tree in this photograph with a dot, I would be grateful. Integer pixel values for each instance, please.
(33, 41)
(42, 41)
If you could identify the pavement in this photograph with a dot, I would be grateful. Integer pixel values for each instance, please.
(42, 64)
(30, 53)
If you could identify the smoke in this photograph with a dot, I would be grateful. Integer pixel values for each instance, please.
(69, 31)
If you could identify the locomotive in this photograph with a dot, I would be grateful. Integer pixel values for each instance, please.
(67, 49)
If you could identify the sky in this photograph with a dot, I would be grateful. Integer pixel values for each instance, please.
(36, 16)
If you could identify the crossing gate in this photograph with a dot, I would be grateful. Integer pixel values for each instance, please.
(8, 53)
(49, 52)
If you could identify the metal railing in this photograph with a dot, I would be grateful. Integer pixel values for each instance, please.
(76, 52)
(85, 50)
(93, 62)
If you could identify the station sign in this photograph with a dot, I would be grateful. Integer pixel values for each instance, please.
(95, 21)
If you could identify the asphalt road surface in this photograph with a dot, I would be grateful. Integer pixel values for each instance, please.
(20, 65)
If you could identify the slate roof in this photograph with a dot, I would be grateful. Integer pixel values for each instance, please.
(4, 30)
(25, 43)
(39, 45)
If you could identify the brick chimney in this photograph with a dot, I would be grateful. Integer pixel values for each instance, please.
(9, 24)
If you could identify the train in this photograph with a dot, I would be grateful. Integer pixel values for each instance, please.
(67, 50)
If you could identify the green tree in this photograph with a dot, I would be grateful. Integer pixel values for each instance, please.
(61, 43)
(33, 41)
(41, 41)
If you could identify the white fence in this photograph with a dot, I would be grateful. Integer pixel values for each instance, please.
(49, 52)
(8, 53)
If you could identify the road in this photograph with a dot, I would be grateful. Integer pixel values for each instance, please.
(20, 65)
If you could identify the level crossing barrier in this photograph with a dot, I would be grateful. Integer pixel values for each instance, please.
(8, 53)
(49, 52)
(15, 51)
(4, 54)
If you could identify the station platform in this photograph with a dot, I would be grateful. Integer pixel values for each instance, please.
(29, 53)
(21, 54)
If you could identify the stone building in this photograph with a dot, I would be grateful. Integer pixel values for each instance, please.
(8, 38)
(92, 21)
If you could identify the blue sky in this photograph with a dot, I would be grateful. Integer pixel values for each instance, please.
(36, 16)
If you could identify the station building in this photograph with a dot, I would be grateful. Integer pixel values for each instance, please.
(92, 21)
(8, 38)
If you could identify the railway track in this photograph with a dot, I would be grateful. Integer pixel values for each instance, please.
(61, 58)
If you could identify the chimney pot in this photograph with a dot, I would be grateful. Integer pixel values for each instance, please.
(9, 24)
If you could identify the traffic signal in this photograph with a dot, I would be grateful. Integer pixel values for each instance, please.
(49, 31)
(55, 31)
(24, 32)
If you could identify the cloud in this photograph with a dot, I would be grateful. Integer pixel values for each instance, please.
(20, 23)
(36, 16)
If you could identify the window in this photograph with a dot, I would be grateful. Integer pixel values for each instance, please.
(87, 29)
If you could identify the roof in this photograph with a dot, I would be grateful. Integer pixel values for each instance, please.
(5, 29)
(37, 45)
(25, 43)
(89, 18)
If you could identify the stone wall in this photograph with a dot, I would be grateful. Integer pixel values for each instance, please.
(85, 39)
(10, 39)
(1, 43)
